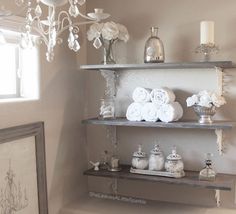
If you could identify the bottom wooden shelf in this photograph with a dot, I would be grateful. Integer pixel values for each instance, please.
(224, 182)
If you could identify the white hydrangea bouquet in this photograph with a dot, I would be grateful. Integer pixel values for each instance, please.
(206, 99)
(105, 35)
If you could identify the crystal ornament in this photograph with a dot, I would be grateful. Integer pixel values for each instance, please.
(74, 11)
(38, 11)
(53, 37)
(26, 41)
(81, 2)
(76, 46)
(50, 56)
(19, 2)
(97, 43)
(29, 17)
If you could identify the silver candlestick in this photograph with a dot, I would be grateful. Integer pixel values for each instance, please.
(207, 50)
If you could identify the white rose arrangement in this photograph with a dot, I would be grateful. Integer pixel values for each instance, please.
(206, 99)
(106, 34)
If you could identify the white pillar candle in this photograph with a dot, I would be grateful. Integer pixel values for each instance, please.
(207, 32)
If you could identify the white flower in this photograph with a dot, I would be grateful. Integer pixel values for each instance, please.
(217, 100)
(107, 33)
(204, 93)
(94, 31)
(110, 31)
(206, 99)
(192, 100)
(123, 33)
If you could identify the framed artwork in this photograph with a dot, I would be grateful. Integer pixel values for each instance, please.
(23, 186)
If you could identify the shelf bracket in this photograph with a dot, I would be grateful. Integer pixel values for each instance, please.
(110, 77)
(114, 186)
(111, 135)
(217, 197)
(220, 80)
(220, 140)
(234, 192)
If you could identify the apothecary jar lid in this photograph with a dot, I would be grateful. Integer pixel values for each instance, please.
(174, 156)
(156, 150)
(139, 153)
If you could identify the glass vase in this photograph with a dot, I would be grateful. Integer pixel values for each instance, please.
(154, 48)
(108, 57)
(107, 108)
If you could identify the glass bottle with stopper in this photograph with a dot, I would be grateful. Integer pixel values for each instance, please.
(207, 173)
(154, 48)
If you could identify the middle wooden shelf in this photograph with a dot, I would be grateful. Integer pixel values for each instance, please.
(223, 125)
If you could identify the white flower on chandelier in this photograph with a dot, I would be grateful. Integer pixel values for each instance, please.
(206, 99)
(108, 32)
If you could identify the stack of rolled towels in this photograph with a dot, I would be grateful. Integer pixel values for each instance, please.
(153, 105)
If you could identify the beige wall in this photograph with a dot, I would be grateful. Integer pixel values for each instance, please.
(61, 107)
(178, 22)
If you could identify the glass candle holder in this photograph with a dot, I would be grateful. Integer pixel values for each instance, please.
(107, 108)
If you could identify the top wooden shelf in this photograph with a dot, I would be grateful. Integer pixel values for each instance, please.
(170, 65)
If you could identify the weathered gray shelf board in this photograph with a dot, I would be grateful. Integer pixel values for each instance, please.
(170, 65)
(181, 125)
(223, 181)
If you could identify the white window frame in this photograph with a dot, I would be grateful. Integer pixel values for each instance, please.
(11, 27)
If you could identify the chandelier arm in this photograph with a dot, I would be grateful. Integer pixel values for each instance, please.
(77, 24)
(40, 26)
(87, 17)
(44, 38)
(65, 18)
(63, 21)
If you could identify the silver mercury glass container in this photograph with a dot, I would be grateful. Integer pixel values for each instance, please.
(154, 48)
(205, 114)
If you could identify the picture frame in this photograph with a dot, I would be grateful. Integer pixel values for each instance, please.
(23, 185)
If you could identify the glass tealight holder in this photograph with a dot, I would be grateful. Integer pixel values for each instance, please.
(207, 173)
(107, 108)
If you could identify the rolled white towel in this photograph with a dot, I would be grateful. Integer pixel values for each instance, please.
(150, 112)
(170, 112)
(141, 95)
(134, 112)
(162, 96)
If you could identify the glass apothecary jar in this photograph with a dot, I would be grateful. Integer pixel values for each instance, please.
(107, 108)
(139, 159)
(154, 48)
(174, 162)
(207, 173)
(156, 159)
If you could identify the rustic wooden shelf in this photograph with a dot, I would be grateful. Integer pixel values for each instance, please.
(224, 182)
(181, 125)
(174, 65)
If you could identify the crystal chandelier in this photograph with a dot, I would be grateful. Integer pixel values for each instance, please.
(56, 22)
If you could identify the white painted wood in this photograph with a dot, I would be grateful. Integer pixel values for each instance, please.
(217, 197)
(220, 80)
(219, 140)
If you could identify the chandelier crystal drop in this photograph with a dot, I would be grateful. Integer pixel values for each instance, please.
(55, 23)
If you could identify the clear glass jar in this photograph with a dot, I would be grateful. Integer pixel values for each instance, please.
(174, 162)
(154, 48)
(207, 173)
(156, 159)
(107, 108)
(139, 160)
